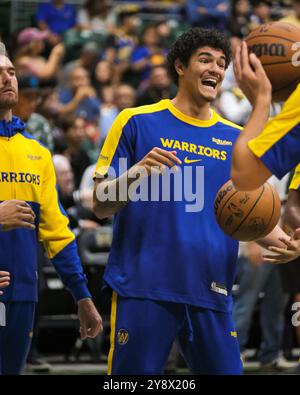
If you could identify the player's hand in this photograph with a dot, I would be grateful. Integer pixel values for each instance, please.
(4, 280)
(284, 255)
(16, 214)
(90, 319)
(158, 159)
(250, 76)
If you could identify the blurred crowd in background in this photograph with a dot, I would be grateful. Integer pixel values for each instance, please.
(80, 64)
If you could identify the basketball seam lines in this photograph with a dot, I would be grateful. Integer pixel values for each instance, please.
(225, 204)
(275, 63)
(270, 35)
(250, 211)
(272, 208)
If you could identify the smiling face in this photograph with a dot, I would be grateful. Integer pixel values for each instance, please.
(203, 76)
(8, 84)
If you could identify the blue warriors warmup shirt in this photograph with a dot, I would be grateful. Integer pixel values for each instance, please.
(161, 251)
(27, 173)
(278, 145)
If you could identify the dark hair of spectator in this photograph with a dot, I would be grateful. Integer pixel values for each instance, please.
(146, 28)
(127, 13)
(66, 122)
(258, 3)
(186, 44)
(96, 8)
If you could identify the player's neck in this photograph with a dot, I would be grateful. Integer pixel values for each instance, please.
(200, 110)
(5, 115)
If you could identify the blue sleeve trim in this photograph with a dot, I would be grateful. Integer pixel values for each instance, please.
(68, 266)
(284, 155)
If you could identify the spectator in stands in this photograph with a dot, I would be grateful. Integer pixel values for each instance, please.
(125, 40)
(28, 58)
(124, 97)
(79, 201)
(239, 22)
(294, 18)
(165, 33)
(97, 16)
(79, 97)
(148, 54)
(65, 180)
(37, 125)
(74, 133)
(208, 14)
(160, 87)
(56, 16)
(261, 13)
(103, 76)
(89, 56)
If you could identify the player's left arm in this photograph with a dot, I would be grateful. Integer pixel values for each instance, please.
(285, 248)
(291, 219)
(61, 248)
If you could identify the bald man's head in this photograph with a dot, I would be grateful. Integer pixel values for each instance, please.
(64, 174)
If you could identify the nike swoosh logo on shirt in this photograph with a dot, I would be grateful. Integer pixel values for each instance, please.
(187, 160)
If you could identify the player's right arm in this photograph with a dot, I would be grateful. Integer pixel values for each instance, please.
(263, 149)
(155, 161)
(112, 179)
(16, 214)
(247, 170)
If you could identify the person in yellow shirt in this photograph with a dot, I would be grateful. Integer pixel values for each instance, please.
(27, 175)
(263, 147)
(294, 17)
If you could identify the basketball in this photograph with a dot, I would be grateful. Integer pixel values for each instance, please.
(277, 45)
(247, 215)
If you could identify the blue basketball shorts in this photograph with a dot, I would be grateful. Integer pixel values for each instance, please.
(15, 336)
(143, 332)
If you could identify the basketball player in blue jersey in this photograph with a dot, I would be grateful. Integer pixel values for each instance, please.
(263, 148)
(171, 269)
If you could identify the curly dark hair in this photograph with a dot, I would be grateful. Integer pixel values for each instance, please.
(186, 44)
